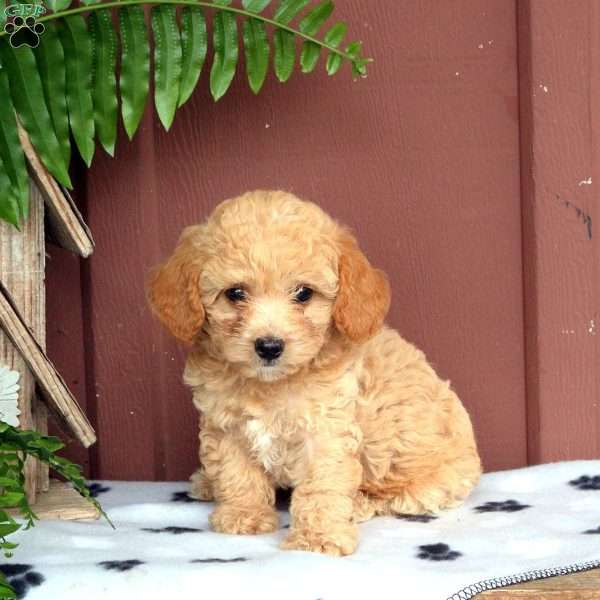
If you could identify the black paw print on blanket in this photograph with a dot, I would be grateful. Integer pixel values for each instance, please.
(219, 560)
(24, 32)
(97, 488)
(182, 497)
(503, 506)
(437, 552)
(585, 482)
(416, 518)
(172, 529)
(21, 577)
(593, 531)
(120, 565)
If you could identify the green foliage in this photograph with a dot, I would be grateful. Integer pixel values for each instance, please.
(135, 67)
(12, 158)
(104, 83)
(77, 44)
(67, 87)
(50, 59)
(257, 49)
(27, 95)
(167, 62)
(225, 41)
(15, 446)
(194, 44)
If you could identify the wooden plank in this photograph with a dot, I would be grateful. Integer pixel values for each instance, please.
(40, 417)
(62, 502)
(578, 586)
(22, 260)
(560, 135)
(68, 227)
(52, 385)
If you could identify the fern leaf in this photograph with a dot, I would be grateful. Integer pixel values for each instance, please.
(334, 38)
(135, 67)
(69, 84)
(225, 41)
(336, 34)
(11, 152)
(309, 56)
(194, 44)
(288, 9)
(104, 81)
(58, 5)
(354, 49)
(285, 54)
(9, 205)
(313, 21)
(77, 46)
(50, 59)
(257, 50)
(28, 98)
(255, 6)
(285, 43)
(359, 64)
(167, 62)
(334, 62)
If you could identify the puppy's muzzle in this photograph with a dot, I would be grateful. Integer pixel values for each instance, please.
(269, 348)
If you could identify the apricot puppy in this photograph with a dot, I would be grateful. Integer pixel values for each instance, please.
(299, 383)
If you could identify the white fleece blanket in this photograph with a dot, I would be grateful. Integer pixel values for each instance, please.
(533, 519)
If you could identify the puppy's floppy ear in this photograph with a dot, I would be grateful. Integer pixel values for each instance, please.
(363, 297)
(173, 289)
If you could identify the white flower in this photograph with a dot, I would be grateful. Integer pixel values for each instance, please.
(9, 396)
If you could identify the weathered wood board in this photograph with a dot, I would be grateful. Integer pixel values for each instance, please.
(62, 502)
(67, 226)
(22, 259)
(52, 386)
(579, 586)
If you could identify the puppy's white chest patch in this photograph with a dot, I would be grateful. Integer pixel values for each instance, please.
(261, 443)
(281, 451)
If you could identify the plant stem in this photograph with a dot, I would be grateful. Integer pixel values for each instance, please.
(211, 5)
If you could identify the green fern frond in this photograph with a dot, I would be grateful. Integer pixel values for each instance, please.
(104, 79)
(67, 87)
(194, 45)
(15, 446)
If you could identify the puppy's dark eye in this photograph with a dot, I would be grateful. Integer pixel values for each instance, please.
(303, 294)
(236, 294)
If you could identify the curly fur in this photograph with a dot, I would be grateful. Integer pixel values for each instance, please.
(351, 416)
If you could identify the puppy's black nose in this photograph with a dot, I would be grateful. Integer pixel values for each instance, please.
(269, 348)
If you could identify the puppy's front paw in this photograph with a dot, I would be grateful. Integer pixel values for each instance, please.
(245, 521)
(339, 541)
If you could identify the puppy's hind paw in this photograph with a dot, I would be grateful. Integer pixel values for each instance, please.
(245, 521)
(340, 541)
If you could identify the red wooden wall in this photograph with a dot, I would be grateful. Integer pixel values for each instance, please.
(448, 161)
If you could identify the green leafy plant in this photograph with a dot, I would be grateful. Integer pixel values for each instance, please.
(15, 446)
(68, 85)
